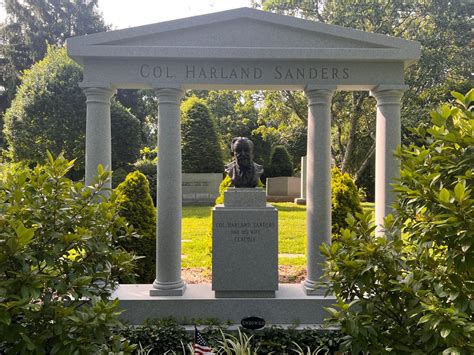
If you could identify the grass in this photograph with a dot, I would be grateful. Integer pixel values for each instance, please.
(196, 235)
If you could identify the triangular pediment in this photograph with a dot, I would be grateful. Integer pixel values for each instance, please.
(244, 34)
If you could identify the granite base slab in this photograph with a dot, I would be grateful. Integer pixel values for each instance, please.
(289, 306)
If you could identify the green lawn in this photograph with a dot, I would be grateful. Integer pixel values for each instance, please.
(291, 234)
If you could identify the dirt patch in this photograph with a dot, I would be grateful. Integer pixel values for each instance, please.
(287, 274)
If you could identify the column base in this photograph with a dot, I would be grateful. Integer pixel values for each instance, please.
(300, 201)
(168, 288)
(309, 288)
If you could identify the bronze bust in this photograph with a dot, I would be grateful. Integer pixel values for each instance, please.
(242, 170)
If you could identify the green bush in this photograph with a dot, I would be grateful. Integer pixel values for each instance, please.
(201, 152)
(409, 290)
(126, 136)
(118, 176)
(147, 165)
(59, 262)
(49, 113)
(280, 163)
(135, 205)
(344, 199)
(162, 336)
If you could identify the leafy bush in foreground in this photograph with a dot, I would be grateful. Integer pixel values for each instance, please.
(410, 289)
(59, 263)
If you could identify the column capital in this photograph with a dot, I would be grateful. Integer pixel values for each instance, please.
(319, 96)
(388, 94)
(98, 94)
(169, 95)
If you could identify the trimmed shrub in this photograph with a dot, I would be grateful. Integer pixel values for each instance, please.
(135, 205)
(280, 163)
(344, 199)
(49, 113)
(147, 165)
(126, 136)
(118, 176)
(167, 336)
(201, 152)
(59, 262)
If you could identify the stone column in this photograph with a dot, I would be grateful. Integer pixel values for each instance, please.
(318, 188)
(302, 199)
(388, 137)
(98, 134)
(169, 195)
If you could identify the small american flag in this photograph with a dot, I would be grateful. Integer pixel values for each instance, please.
(200, 346)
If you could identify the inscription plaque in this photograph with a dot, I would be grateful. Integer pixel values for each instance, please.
(245, 248)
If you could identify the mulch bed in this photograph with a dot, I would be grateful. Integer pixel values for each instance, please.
(286, 274)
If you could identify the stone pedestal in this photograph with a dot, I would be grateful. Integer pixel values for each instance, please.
(302, 199)
(244, 245)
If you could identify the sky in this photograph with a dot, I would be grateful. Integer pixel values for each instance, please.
(130, 13)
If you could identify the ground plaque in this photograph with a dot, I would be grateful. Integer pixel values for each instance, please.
(245, 245)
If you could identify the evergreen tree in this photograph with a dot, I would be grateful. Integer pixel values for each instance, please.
(31, 26)
(201, 152)
(135, 205)
(280, 163)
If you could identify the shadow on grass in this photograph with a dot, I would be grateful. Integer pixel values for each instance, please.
(289, 208)
(197, 211)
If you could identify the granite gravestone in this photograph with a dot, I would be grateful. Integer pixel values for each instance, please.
(244, 232)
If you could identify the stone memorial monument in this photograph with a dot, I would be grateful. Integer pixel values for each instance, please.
(244, 232)
(242, 49)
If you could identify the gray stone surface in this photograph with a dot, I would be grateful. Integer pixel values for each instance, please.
(244, 49)
(289, 306)
(169, 194)
(98, 131)
(302, 199)
(232, 34)
(245, 197)
(200, 187)
(244, 247)
(318, 207)
(388, 137)
(283, 188)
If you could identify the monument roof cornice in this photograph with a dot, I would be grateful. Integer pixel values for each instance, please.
(241, 34)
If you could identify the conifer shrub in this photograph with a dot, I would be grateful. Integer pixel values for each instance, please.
(280, 163)
(136, 206)
(118, 176)
(201, 152)
(344, 199)
(147, 165)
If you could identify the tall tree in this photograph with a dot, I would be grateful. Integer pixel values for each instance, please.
(443, 29)
(31, 25)
(236, 115)
(201, 152)
(49, 113)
